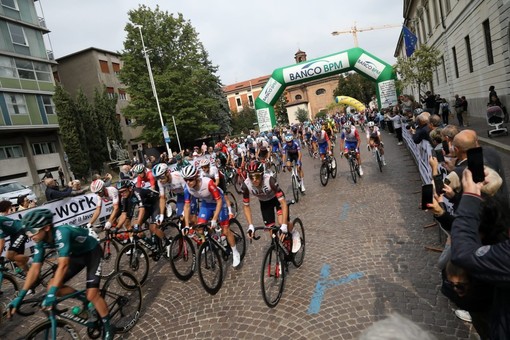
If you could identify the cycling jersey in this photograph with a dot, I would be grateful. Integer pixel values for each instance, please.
(141, 198)
(291, 149)
(373, 133)
(147, 181)
(268, 189)
(112, 195)
(209, 193)
(350, 137)
(321, 137)
(222, 157)
(9, 227)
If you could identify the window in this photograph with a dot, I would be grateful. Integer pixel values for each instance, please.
(104, 66)
(42, 71)
(110, 92)
(447, 6)
(320, 92)
(469, 56)
(16, 104)
(43, 148)
(116, 68)
(11, 151)
(24, 69)
(250, 100)
(298, 97)
(238, 102)
(7, 67)
(455, 62)
(10, 3)
(17, 34)
(488, 41)
(444, 69)
(48, 105)
(122, 94)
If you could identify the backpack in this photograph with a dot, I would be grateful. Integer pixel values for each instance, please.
(445, 109)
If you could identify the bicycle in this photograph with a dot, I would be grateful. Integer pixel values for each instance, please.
(270, 167)
(296, 182)
(8, 290)
(353, 164)
(123, 296)
(378, 157)
(239, 179)
(213, 248)
(276, 259)
(328, 168)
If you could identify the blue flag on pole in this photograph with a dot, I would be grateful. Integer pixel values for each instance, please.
(410, 40)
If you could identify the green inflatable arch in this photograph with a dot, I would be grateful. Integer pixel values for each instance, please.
(355, 59)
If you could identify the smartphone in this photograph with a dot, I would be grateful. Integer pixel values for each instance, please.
(427, 193)
(446, 147)
(439, 155)
(475, 164)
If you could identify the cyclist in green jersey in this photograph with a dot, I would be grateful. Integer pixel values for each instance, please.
(14, 231)
(77, 248)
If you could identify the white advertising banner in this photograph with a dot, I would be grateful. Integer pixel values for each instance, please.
(388, 93)
(264, 119)
(269, 91)
(369, 66)
(331, 64)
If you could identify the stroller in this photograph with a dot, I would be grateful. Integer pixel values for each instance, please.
(495, 119)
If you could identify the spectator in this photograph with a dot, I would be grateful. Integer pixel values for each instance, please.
(465, 115)
(52, 192)
(444, 108)
(125, 172)
(25, 203)
(76, 188)
(204, 148)
(423, 130)
(492, 92)
(47, 174)
(429, 100)
(458, 110)
(61, 176)
(396, 119)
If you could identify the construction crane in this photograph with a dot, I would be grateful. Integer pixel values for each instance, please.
(354, 30)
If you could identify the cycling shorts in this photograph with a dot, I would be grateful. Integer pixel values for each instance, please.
(151, 212)
(17, 243)
(293, 158)
(268, 208)
(350, 146)
(275, 148)
(206, 212)
(375, 139)
(323, 148)
(92, 261)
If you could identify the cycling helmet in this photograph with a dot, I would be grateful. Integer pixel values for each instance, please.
(255, 166)
(124, 184)
(159, 170)
(371, 124)
(139, 168)
(96, 186)
(35, 220)
(205, 162)
(289, 138)
(347, 125)
(189, 172)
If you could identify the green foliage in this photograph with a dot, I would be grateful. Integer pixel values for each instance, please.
(321, 115)
(244, 120)
(356, 86)
(418, 69)
(280, 110)
(302, 115)
(184, 78)
(72, 132)
(106, 114)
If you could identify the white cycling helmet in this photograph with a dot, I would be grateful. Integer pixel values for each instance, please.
(347, 125)
(205, 162)
(159, 170)
(189, 172)
(371, 124)
(96, 186)
(289, 138)
(139, 168)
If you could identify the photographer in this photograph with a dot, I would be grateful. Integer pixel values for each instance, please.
(422, 130)
(25, 203)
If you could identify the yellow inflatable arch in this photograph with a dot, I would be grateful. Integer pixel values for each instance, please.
(351, 102)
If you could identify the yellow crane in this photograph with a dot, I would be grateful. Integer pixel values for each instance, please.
(354, 30)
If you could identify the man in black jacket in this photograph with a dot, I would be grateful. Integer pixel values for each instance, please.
(52, 192)
(422, 132)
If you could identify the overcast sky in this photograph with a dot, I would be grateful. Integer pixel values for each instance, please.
(246, 39)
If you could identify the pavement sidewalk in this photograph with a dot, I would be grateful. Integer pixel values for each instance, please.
(480, 125)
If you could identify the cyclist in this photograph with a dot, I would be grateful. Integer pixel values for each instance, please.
(106, 194)
(171, 180)
(291, 152)
(14, 230)
(271, 197)
(147, 202)
(213, 207)
(144, 177)
(263, 151)
(219, 179)
(77, 248)
(323, 141)
(350, 139)
(374, 139)
(222, 159)
(181, 162)
(275, 143)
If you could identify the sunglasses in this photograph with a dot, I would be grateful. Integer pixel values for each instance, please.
(460, 286)
(254, 176)
(189, 179)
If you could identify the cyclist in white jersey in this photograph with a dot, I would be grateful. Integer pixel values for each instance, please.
(106, 194)
(374, 140)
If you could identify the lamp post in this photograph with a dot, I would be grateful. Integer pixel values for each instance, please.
(155, 93)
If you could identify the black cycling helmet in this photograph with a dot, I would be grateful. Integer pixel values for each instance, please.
(35, 220)
(124, 184)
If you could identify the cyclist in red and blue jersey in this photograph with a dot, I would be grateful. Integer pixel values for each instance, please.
(291, 152)
(350, 140)
(213, 206)
(322, 139)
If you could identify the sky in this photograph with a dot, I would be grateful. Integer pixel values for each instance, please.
(245, 39)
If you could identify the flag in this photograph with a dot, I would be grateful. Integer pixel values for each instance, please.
(410, 41)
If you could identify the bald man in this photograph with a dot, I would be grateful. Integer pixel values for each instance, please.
(52, 192)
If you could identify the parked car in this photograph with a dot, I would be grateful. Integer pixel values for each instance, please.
(12, 190)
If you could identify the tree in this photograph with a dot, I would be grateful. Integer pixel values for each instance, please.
(72, 132)
(185, 79)
(106, 114)
(302, 115)
(280, 110)
(418, 69)
(244, 120)
(356, 86)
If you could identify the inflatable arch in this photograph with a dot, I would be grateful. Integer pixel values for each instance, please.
(350, 102)
(355, 59)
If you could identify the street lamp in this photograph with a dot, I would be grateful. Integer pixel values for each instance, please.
(155, 93)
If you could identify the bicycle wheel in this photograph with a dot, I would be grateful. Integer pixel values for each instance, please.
(295, 188)
(170, 229)
(109, 257)
(171, 207)
(8, 291)
(297, 258)
(237, 230)
(123, 295)
(379, 160)
(135, 261)
(182, 257)
(324, 174)
(233, 203)
(272, 276)
(238, 183)
(333, 167)
(357, 168)
(352, 167)
(44, 331)
(210, 268)
(310, 150)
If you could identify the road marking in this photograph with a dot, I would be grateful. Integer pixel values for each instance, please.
(345, 211)
(324, 283)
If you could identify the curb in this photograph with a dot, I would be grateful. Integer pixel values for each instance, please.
(494, 143)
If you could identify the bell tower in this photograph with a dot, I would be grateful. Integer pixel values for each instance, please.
(300, 56)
